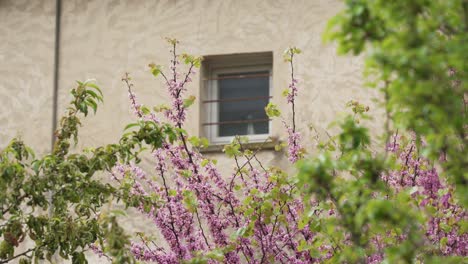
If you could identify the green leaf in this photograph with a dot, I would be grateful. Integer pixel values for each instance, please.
(272, 110)
(186, 173)
(232, 150)
(94, 95)
(204, 162)
(83, 107)
(189, 101)
(195, 141)
(131, 125)
(204, 142)
(79, 258)
(145, 110)
(92, 104)
(443, 242)
(93, 85)
(155, 69)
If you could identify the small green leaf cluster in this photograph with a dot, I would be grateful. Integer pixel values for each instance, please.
(155, 69)
(272, 110)
(86, 95)
(192, 60)
(290, 52)
(198, 142)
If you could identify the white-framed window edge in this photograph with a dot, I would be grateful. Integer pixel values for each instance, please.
(211, 109)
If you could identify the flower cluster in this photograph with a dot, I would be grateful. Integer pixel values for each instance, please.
(443, 228)
(292, 94)
(135, 106)
(294, 149)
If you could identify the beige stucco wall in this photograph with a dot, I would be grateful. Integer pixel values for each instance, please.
(26, 70)
(102, 39)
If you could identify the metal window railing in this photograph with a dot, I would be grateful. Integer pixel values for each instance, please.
(237, 122)
(240, 76)
(239, 99)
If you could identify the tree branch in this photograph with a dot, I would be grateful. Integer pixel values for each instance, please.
(19, 255)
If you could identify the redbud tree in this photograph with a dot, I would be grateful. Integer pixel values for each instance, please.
(252, 215)
(349, 203)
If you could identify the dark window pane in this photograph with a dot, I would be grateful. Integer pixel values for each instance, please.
(236, 88)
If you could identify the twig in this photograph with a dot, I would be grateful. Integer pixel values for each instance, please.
(17, 256)
(201, 228)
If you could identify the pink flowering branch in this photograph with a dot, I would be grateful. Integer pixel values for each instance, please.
(133, 101)
(193, 196)
(294, 148)
(417, 172)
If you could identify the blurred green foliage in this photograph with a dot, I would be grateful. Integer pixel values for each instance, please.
(417, 53)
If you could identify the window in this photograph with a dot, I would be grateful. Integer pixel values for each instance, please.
(236, 90)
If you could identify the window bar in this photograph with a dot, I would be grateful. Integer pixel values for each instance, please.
(237, 122)
(238, 99)
(240, 76)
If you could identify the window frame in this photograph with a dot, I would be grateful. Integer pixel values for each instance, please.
(212, 93)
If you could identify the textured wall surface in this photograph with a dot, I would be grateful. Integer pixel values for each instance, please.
(26, 70)
(102, 39)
